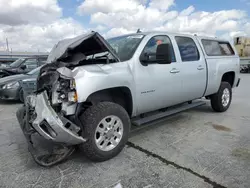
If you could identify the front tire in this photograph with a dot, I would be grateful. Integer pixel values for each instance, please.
(21, 95)
(106, 127)
(221, 101)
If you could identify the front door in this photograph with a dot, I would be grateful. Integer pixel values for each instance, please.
(157, 85)
(193, 68)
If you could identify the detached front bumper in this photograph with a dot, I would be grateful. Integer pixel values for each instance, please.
(49, 124)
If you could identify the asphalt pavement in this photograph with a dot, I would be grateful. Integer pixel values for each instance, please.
(196, 148)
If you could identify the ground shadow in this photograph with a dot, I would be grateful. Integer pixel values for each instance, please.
(9, 102)
(205, 108)
(167, 121)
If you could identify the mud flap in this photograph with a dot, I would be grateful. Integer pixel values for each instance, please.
(45, 152)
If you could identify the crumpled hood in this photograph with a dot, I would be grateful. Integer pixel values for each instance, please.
(76, 49)
(69, 53)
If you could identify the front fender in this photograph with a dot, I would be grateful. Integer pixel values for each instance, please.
(93, 78)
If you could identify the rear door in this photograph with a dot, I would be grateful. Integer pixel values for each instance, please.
(193, 68)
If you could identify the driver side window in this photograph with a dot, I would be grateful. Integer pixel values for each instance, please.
(152, 44)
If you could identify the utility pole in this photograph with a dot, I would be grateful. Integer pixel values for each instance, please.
(7, 44)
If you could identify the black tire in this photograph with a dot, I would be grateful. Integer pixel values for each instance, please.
(90, 120)
(216, 99)
(21, 95)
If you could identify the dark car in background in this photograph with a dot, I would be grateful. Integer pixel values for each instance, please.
(29, 86)
(22, 65)
(11, 86)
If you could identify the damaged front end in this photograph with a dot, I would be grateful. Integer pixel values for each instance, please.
(50, 134)
(44, 152)
(49, 118)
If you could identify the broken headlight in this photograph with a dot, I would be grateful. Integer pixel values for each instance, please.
(72, 96)
(66, 90)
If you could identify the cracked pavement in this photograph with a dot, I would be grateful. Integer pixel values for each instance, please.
(195, 148)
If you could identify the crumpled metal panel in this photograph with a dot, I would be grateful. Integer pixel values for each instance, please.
(44, 152)
(64, 48)
(45, 112)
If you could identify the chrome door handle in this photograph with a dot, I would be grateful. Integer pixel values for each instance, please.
(200, 68)
(174, 71)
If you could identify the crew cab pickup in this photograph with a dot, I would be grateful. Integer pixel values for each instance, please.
(92, 89)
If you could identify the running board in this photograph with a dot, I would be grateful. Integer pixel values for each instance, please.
(173, 110)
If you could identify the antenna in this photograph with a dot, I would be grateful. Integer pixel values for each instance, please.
(138, 31)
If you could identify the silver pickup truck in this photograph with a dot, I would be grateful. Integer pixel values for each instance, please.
(92, 89)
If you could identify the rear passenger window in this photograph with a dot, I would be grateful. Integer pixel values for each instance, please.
(217, 48)
(187, 48)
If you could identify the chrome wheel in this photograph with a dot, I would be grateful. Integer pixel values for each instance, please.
(108, 133)
(225, 97)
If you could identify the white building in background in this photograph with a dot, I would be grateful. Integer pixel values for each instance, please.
(242, 44)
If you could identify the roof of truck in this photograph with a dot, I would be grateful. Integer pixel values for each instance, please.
(173, 33)
(166, 32)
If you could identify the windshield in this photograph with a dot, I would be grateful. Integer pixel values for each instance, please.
(125, 46)
(35, 71)
(17, 63)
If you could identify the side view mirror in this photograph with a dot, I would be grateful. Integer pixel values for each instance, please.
(163, 55)
(23, 67)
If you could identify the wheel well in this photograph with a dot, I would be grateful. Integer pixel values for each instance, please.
(228, 77)
(119, 95)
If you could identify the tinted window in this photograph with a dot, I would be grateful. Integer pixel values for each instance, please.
(30, 63)
(152, 44)
(188, 49)
(211, 47)
(217, 48)
(226, 48)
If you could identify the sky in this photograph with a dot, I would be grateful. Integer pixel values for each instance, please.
(37, 25)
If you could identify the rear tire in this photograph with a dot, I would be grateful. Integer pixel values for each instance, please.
(221, 101)
(105, 139)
